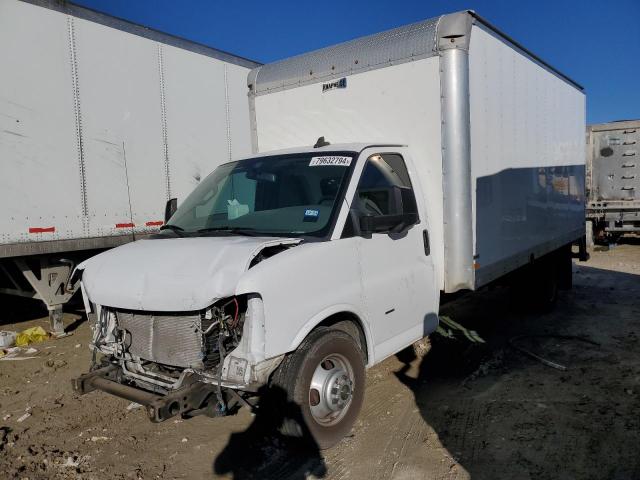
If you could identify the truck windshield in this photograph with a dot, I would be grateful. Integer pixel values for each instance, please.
(284, 195)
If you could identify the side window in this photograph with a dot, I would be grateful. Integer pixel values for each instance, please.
(385, 187)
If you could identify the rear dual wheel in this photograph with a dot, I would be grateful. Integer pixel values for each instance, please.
(545, 287)
(536, 285)
(324, 384)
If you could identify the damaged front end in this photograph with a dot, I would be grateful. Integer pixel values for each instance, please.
(179, 363)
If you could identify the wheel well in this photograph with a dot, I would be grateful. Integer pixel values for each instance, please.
(351, 324)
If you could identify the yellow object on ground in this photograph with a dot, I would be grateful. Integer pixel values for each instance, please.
(31, 335)
(2, 354)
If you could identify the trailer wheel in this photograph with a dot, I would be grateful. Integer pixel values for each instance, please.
(599, 233)
(324, 384)
(613, 238)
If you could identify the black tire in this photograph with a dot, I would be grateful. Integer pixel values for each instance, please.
(614, 238)
(294, 376)
(535, 286)
(545, 285)
(599, 233)
(565, 268)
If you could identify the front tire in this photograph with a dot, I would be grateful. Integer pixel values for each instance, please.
(323, 380)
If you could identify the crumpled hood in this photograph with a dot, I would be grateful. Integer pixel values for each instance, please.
(176, 274)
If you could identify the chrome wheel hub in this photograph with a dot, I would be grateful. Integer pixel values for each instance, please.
(331, 389)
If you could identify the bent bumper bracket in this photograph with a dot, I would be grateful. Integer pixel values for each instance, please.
(159, 407)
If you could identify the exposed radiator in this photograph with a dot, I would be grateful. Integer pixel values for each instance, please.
(167, 338)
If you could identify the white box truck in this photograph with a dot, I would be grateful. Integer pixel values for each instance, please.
(101, 122)
(297, 267)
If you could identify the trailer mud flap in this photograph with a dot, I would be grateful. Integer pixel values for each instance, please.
(159, 407)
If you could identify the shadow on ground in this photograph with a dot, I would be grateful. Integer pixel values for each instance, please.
(502, 414)
(17, 309)
(262, 452)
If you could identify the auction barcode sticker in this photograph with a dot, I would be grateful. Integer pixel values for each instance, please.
(330, 160)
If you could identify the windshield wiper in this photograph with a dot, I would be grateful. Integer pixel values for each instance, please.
(240, 231)
(175, 228)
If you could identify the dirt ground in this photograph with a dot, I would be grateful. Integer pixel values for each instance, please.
(459, 411)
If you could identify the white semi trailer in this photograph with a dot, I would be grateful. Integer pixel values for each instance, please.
(101, 122)
(299, 266)
(613, 179)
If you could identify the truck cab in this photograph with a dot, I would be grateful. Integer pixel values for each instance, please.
(296, 268)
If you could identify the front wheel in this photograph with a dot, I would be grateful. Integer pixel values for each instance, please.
(324, 379)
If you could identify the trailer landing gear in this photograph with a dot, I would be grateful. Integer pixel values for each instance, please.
(55, 320)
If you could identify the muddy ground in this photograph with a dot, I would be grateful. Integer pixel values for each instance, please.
(459, 411)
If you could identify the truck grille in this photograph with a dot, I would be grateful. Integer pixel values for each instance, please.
(168, 338)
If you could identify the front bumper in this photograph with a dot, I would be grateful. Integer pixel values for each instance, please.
(190, 399)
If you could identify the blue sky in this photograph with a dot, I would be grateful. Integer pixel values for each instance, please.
(596, 43)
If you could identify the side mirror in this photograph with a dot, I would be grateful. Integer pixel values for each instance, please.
(387, 223)
(170, 208)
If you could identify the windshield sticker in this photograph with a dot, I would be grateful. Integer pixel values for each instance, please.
(311, 215)
(330, 160)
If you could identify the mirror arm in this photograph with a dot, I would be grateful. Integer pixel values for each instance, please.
(368, 223)
(399, 228)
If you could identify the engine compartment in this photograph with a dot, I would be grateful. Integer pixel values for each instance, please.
(161, 351)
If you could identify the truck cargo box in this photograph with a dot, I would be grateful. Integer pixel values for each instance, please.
(497, 133)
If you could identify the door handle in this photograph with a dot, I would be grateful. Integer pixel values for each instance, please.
(427, 246)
